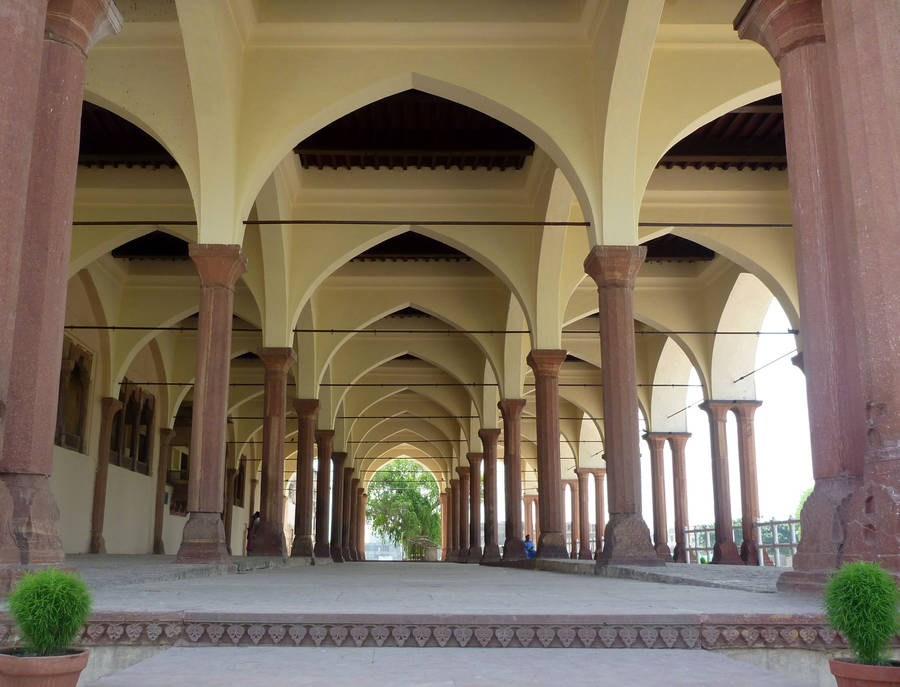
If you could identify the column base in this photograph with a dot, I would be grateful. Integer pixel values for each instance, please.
(873, 512)
(336, 554)
(491, 554)
(34, 520)
(823, 521)
(552, 545)
(679, 555)
(474, 555)
(726, 553)
(159, 548)
(626, 541)
(354, 554)
(268, 540)
(322, 551)
(585, 555)
(803, 581)
(662, 550)
(514, 550)
(302, 546)
(98, 543)
(749, 552)
(203, 540)
(345, 552)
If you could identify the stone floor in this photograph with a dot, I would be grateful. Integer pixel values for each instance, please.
(264, 667)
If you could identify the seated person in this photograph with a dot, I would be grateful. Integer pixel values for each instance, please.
(529, 547)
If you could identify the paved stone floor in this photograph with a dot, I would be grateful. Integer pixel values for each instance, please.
(421, 588)
(265, 667)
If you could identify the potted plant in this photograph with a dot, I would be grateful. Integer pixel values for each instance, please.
(49, 607)
(861, 603)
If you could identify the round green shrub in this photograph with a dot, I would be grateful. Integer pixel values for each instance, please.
(49, 607)
(861, 603)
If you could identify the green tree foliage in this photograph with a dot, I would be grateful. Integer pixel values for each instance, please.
(404, 501)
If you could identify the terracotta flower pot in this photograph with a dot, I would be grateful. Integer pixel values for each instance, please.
(41, 671)
(850, 674)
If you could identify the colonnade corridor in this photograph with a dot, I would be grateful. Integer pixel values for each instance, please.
(526, 294)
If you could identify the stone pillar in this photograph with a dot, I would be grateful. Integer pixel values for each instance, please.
(345, 517)
(324, 439)
(166, 436)
(827, 274)
(491, 541)
(444, 524)
(361, 545)
(576, 520)
(599, 502)
(614, 269)
(725, 550)
(537, 516)
(269, 537)
(21, 44)
(745, 411)
(307, 411)
(657, 443)
(677, 440)
(337, 504)
(219, 267)
(527, 502)
(511, 412)
(355, 492)
(474, 553)
(463, 472)
(230, 475)
(545, 364)
(584, 548)
(864, 63)
(108, 408)
(453, 554)
(45, 237)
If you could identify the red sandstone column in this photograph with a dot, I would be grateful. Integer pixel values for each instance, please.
(444, 523)
(324, 439)
(614, 269)
(345, 517)
(474, 553)
(584, 548)
(269, 537)
(489, 446)
(537, 516)
(749, 484)
(864, 63)
(677, 440)
(361, 547)
(546, 363)
(354, 519)
(725, 550)
(453, 554)
(108, 408)
(463, 472)
(72, 27)
(827, 274)
(21, 44)
(337, 504)
(166, 436)
(307, 410)
(511, 412)
(219, 267)
(230, 475)
(529, 519)
(599, 499)
(657, 442)
(576, 517)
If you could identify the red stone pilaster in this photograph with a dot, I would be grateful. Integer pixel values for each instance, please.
(166, 436)
(491, 543)
(363, 501)
(444, 523)
(453, 553)
(537, 516)
(677, 441)
(219, 267)
(511, 412)
(474, 554)
(864, 64)
(657, 441)
(463, 472)
(614, 269)
(545, 364)
(307, 411)
(108, 408)
(337, 504)
(575, 516)
(31, 398)
(584, 548)
(599, 503)
(269, 537)
(324, 440)
(827, 273)
(725, 551)
(745, 411)
(528, 503)
(230, 475)
(354, 518)
(345, 518)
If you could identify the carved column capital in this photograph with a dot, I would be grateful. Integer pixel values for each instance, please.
(781, 26)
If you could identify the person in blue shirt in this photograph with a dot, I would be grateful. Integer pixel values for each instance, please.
(529, 547)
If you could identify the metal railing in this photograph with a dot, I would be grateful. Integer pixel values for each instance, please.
(776, 541)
